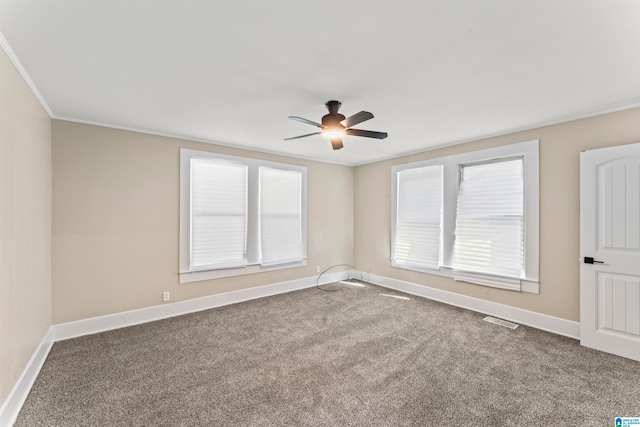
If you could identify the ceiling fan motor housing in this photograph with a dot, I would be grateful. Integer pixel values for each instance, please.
(332, 121)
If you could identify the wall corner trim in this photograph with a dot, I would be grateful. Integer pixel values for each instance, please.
(12, 405)
(536, 320)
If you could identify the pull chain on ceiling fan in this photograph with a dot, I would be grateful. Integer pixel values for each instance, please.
(334, 125)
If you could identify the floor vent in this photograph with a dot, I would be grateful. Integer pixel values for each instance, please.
(500, 322)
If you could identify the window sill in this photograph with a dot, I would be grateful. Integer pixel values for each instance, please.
(442, 271)
(199, 276)
(529, 286)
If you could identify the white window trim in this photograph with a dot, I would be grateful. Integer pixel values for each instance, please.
(451, 182)
(253, 252)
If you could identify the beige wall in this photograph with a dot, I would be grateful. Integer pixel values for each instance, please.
(25, 224)
(560, 146)
(115, 221)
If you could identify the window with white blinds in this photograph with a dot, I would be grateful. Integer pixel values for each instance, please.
(240, 215)
(418, 217)
(489, 233)
(218, 214)
(484, 211)
(280, 216)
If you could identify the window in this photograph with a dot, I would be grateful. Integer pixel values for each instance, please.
(218, 214)
(489, 217)
(239, 215)
(489, 233)
(418, 218)
(280, 216)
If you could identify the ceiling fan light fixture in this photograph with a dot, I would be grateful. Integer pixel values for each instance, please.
(333, 133)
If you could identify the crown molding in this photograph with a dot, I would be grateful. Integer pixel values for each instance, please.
(16, 63)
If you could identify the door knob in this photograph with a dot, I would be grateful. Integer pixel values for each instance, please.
(590, 260)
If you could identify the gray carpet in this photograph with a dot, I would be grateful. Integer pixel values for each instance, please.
(346, 358)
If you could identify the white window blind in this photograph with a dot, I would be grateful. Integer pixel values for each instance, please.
(280, 216)
(489, 233)
(218, 214)
(418, 228)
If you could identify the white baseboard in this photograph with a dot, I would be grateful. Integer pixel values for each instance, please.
(134, 317)
(547, 323)
(12, 405)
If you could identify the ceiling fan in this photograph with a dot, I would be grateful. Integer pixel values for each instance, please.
(334, 125)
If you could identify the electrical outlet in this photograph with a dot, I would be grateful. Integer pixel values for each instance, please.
(166, 296)
(317, 269)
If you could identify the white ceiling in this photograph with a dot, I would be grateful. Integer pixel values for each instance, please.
(433, 73)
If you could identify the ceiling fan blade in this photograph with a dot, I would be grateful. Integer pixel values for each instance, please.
(302, 136)
(356, 118)
(366, 133)
(336, 143)
(309, 122)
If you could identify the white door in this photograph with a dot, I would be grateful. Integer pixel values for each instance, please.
(610, 250)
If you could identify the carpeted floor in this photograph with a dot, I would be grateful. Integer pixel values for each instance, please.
(348, 358)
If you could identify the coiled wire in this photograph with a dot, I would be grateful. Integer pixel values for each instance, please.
(337, 285)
